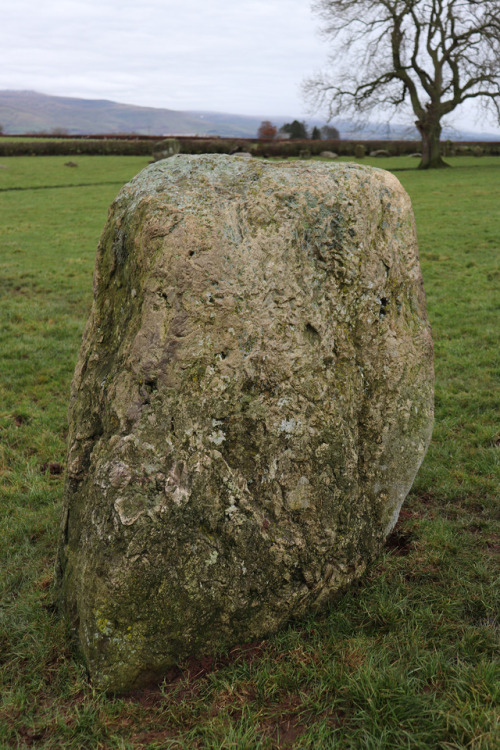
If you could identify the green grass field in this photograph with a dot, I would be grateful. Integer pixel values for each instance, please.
(407, 659)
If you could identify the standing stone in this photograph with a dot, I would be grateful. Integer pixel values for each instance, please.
(252, 400)
(166, 148)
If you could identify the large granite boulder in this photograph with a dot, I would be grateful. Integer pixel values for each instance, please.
(252, 400)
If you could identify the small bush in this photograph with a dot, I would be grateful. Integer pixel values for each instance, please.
(359, 151)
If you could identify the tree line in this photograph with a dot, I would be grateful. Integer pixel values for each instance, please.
(296, 130)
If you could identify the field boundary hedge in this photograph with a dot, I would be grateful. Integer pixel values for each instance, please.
(101, 145)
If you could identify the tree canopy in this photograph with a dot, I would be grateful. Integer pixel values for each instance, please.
(433, 54)
(295, 129)
(330, 132)
(267, 131)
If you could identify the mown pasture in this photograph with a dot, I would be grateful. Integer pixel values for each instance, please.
(409, 658)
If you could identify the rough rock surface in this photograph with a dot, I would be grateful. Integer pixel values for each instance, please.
(252, 400)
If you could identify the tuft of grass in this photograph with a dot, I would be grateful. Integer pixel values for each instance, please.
(406, 659)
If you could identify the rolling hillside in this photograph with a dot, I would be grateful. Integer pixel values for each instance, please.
(31, 112)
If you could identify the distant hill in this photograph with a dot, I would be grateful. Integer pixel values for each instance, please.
(31, 112)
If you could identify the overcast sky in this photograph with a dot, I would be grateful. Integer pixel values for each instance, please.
(238, 56)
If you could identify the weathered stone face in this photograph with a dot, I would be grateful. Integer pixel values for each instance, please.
(251, 403)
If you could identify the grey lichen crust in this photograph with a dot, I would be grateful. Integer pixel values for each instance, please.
(252, 400)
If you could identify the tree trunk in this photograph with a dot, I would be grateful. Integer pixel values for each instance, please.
(430, 130)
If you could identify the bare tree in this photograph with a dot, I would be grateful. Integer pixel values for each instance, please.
(433, 54)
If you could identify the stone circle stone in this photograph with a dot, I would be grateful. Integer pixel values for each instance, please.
(166, 148)
(252, 400)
